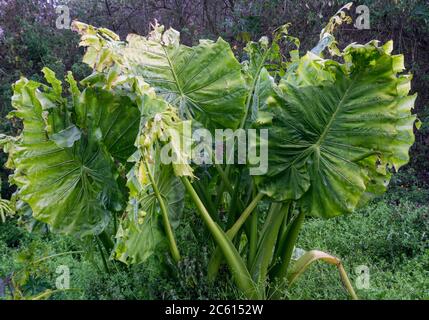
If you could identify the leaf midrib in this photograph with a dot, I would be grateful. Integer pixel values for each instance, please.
(333, 117)
(173, 72)
(325, 131)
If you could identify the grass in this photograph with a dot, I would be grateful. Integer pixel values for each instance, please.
(160, 278)
(389, 236)
(391, 241)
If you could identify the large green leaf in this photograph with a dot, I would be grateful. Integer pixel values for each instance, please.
(141, 233)
(204, 82)
(64, 160)
(339, 129)
(114, 118)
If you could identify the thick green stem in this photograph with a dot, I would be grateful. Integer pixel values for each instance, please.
(236, 264)
(243, 217)
(312, 256)
(284, 229)
(226, 185)
(106, 241)
(219, 194)
(225, 178)
(165, 219)
(216, 259)
(115, 222)
(346, 282)
(233, 203)
(267, 243)
(253, 239)
(286, 247)
(103, 257)
(233, 192)
(202, 193)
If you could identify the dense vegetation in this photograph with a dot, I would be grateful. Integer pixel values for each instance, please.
(73, 168)
(389, 236)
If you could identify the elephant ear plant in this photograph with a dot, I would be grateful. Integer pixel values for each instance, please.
(89, 162)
